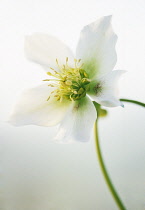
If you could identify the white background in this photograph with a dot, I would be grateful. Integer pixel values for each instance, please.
(38, 174)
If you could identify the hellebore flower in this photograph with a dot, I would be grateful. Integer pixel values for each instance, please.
(73, 83)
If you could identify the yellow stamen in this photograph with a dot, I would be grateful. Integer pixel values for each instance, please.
(71, 82)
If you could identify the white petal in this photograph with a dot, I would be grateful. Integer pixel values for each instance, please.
(96, 47)
(33, 108)
(78, 123)
(108, 93)
(45, 49)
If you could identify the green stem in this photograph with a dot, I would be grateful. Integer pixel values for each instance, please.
(104, 171)
(101, 161)
(133, 101)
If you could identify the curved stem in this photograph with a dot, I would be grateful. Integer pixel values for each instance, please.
(133, 101)
(104, 171)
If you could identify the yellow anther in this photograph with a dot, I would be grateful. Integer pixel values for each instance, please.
(58, 98)
(51, 85)
(52, 91)
(49, 73)
(57, 63)
(51, 68)
(85, 74)
(46, 80)
(68, 82)
(48, 98)
(75, 92)
(86, 81)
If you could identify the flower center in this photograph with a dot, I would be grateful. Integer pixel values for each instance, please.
(71, 83)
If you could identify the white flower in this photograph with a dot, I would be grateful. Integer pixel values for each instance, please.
(73, 83)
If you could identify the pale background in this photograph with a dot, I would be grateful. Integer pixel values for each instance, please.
(38, 174)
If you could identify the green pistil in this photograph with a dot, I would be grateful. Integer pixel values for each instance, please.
(79, 87)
